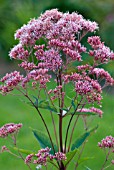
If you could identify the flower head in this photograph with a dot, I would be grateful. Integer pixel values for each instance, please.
(91, 110)
(9, 128)
(10, 81)
(107, 142)
(43, 155)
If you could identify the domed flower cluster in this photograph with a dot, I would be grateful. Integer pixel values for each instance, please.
(101, 53)
(43, 155)
(8, 129)
(107, 142)
(10, 81)
(108, 145)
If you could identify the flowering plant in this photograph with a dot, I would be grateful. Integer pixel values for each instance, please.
(51, 53)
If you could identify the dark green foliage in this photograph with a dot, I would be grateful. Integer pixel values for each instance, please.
(82, 139)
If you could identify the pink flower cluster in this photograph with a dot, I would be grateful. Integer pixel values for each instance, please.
(8, 129)
(27, 65)
(83, 68)
(101, 53)
(94, 41)
(10, 81)
(107, 142)
(90, 89)
(40, 76)
(19, 53)
(84, 85)
(43, 155)
(51, 57)
(102, 74)
(91, 110)
(58, 30)
(56, 92)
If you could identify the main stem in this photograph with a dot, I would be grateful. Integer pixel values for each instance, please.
(60, 133)
(59, 82)
(61, 104)
(62, 167)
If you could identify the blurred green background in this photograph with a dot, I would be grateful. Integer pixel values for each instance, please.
(15, 13)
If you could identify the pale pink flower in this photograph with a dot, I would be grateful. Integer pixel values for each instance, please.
(10, 81)
(102, 74)
(90, 89)
(60, 156)
(91, 110)
(27, 65)
(94, 41)
(101, 53)
(107, 142)
(28, 159)
(43, 155)
(9, 128)
(19, 53)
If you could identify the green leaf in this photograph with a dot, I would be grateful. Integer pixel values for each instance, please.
(82, 138)
(84, 113)
(27, 152)
(53, 162)
(43, 104)
(69, 156)
(81, 160)
(44, 140)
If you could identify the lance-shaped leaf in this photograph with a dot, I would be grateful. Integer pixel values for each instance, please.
(82, 138)
(69, 156)
(82, 113)
(44, 140)
(27, 152)
(81, 160)
(53, 162)
(85, 113)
